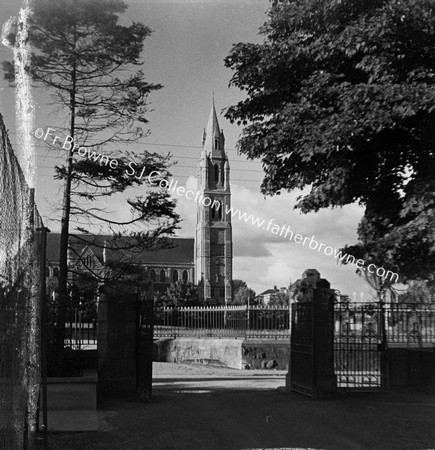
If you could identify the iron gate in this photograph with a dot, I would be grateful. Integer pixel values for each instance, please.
(302, 349)
(359, 341)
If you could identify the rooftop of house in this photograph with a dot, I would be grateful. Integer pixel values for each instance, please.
(270, 291)
(180, 250)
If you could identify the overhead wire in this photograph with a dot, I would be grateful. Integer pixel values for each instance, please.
(173, 154)
(150, 143)
(175, 157)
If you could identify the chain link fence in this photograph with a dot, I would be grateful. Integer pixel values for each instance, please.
(21, 277)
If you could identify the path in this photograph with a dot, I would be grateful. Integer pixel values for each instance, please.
(197, 408)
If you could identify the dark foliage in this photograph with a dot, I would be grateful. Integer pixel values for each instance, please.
(341, 99)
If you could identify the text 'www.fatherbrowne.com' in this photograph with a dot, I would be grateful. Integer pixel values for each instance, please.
(286, 232)
(271, 226)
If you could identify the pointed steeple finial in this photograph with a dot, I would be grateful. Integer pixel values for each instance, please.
(213, 132)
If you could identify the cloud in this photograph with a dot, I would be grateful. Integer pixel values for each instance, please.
(263, 259)
(250, 248)
(335, 227)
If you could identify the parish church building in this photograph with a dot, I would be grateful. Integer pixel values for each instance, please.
(205, 260)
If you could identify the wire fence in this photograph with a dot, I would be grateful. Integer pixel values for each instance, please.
(21, 275)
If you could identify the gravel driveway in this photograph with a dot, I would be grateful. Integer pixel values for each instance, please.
(197, 407)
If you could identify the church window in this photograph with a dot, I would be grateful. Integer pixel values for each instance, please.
(153, 275)
(56, 272)
(175, 276)
(162, 276)
(216, 143)
(216, 173)
(185, 276)
(219, 210)
(216, 210)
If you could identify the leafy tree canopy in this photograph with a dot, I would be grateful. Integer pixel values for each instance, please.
(419, 292)
(178, 294)
(242, 293)
(280, 299)
(341, 100)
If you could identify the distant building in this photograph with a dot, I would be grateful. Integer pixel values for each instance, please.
(270, 294)
(163, 267)
(205, 261)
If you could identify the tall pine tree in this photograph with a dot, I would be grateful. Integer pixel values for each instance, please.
(91, 66)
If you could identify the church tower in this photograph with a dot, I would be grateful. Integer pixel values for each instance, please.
(213, 239)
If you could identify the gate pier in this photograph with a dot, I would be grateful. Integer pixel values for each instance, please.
(311, 367)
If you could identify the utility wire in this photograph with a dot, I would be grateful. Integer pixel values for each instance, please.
(187, 167)
(57, 148)
(145, 143)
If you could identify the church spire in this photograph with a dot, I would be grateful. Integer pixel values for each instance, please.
(213, 139)
(213, 241)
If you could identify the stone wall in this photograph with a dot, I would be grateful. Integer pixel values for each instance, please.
(260, 354)
(212, 351)
(411, 367)
(233, 353)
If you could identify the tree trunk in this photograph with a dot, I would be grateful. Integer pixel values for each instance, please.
(64, 235)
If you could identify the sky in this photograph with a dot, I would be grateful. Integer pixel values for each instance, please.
(185, 53)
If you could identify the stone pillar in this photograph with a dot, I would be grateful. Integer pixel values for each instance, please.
(325, 380)
(116, 333)
(145, 344)
(312, 342)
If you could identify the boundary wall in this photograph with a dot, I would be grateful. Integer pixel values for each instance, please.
(225, 352)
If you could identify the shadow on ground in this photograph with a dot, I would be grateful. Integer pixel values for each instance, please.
(238, 413)
(259, 419)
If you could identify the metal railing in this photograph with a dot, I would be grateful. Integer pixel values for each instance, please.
(402, 323)
(261, 322)
(81, 335)
(364, 331)
(409, 323)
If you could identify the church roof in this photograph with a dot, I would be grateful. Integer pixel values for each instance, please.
(181, 251)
